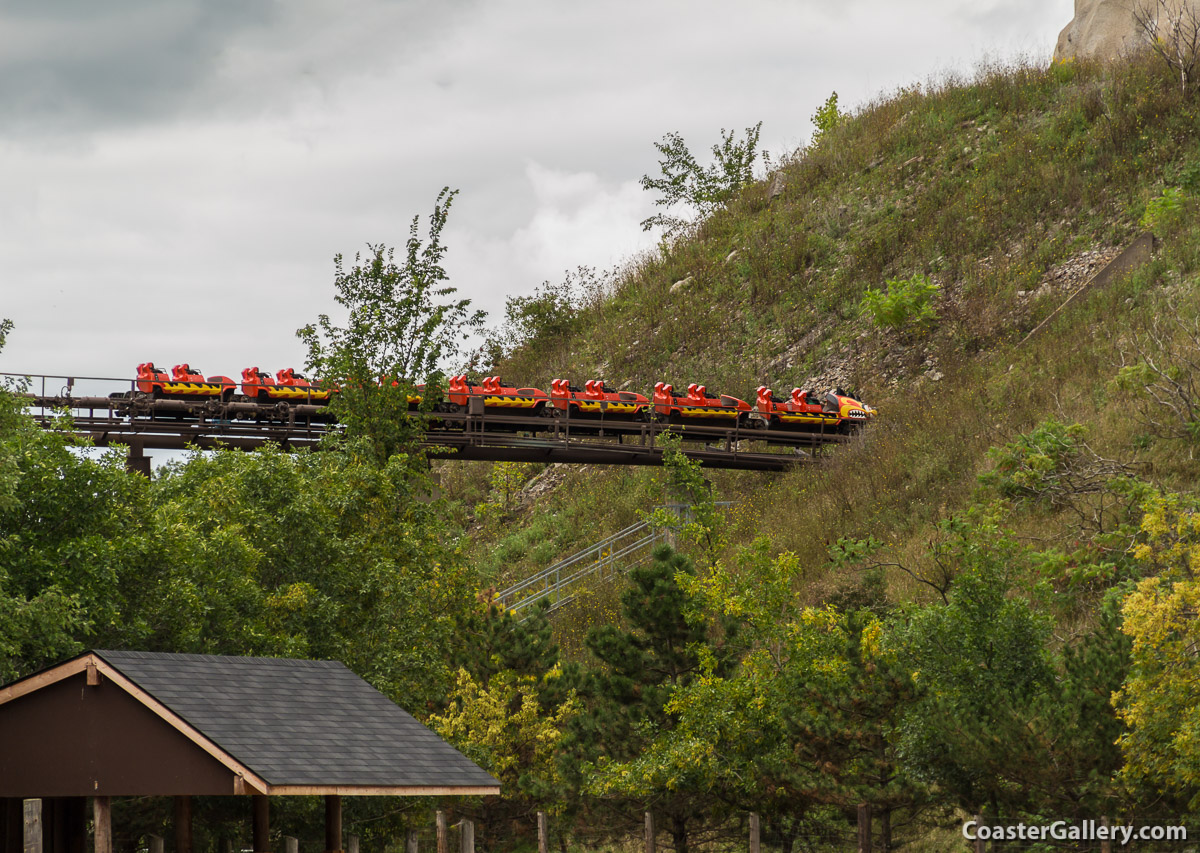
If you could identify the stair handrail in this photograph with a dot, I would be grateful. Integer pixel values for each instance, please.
(577, 557)
(597, 556)
(590, 569)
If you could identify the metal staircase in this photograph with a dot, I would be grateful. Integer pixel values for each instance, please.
(560, 582)
(613, 555)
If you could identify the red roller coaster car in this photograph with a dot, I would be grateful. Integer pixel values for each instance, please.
(185, 381)
(288, 385)
(595, 399)
(496, 395)
(697, 404)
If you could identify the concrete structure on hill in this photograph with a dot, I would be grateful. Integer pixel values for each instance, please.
(1106, 29)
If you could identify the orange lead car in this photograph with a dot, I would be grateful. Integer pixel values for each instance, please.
(806, 410)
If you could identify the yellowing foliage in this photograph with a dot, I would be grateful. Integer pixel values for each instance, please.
(1160, 703)
(503, 727)
(1171, 531)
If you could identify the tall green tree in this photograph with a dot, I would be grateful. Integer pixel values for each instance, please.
(322, 555)
(980, 660)
(1075, 726)
(1003, 722)
(403, 321)
(315, 555)
(627, 693)
(703, 189)
(803, 728)
(73, 530)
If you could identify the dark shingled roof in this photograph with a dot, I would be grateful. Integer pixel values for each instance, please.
(300, 722)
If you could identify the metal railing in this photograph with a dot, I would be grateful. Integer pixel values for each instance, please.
(557, 582)
(613, 555)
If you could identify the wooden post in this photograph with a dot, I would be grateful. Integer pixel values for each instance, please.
(410, 845)
(102, 823)
(543, 834)
(183, 824)
(980, 844)
(755, 847)
(1106, 843)
(155, 842)
(291, 844)
(31, 834)
(443, 843)
(649, 832)
(333, 822)
(261, 806)
(351, 844)
(864, 828)
(468, 837)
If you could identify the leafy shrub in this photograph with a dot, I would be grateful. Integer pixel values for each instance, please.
(827, 118)
(1033, 466)
(1052, 464)
(1164, 211)
(907, 301)
(1063, 71)
(546, 317)
(1188, 177)
(1161, 369)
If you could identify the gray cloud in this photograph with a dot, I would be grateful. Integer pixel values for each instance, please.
(178, 175)
(76, 66)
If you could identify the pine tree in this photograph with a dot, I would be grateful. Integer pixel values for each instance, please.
(625, 695)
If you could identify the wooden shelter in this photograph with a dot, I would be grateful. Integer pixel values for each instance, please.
(109, 724)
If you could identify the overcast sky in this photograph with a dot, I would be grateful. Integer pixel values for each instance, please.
(178, 174)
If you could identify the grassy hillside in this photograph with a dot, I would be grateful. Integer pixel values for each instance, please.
(1006, 191)
(986, 604)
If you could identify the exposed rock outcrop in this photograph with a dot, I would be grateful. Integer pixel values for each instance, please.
(682, 284)
(1106, 29)
(1101, 29)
